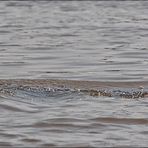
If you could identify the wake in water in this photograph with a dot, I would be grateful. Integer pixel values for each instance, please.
(49, 88)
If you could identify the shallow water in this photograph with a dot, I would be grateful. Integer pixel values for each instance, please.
(102, 41)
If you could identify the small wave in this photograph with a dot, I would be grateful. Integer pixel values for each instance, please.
(16, 105)
(52, 88)
(121, 120)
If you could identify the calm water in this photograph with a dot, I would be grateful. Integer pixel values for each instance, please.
(102, 41)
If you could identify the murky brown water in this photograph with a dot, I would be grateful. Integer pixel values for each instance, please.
(101, 41)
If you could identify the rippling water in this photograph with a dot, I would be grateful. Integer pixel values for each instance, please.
(76, 40)
(65, 118)
(80, 40)
(72, 119)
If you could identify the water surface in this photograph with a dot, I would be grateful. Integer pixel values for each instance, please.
(79, 40)
(70, 119)
(87, 40)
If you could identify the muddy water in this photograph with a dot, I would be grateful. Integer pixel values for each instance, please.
(101, 41)
(35, 115)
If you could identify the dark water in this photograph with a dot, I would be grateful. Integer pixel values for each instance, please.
(102, 41)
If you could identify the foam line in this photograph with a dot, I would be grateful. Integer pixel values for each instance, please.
(137, 89)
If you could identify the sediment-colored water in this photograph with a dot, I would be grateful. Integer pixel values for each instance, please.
(68, 113)
(45, 46)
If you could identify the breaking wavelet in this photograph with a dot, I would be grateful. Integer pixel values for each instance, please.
(49, 87)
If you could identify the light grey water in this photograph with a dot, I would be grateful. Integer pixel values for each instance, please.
(87, 40)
